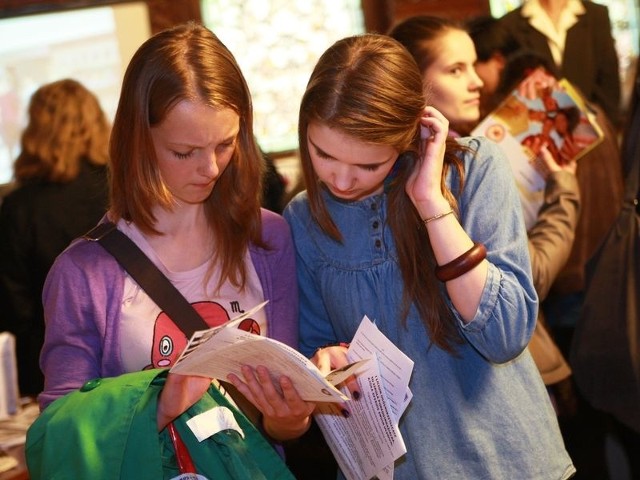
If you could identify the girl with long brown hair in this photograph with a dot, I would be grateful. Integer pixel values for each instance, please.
(424, 235)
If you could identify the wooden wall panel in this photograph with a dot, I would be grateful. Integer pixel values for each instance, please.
(162, 13)
(10, 8)
(459, 9)
(381, 15)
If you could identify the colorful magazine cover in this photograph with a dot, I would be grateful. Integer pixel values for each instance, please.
(532, 116)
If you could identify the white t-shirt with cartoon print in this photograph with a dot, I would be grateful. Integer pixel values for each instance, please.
(150, 339)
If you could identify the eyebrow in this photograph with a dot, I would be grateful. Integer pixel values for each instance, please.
(321, 152)
(229, 139)
(457, 64)
(318, 149)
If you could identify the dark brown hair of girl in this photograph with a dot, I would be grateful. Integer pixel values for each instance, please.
(370, 88)
(420, 34)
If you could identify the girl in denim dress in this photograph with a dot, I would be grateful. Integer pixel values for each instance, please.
(425, 236)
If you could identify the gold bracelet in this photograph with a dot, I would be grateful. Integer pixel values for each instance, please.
(436, 217)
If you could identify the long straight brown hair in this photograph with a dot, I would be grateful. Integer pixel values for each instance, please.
(370, 88)
(187, 62)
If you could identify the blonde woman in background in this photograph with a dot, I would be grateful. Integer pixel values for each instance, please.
(61, 192)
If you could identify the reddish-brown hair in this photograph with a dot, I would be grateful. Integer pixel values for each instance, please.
(187, 62)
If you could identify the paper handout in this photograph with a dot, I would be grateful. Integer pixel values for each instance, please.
(222, 350)
(532, 116)
(367, 441)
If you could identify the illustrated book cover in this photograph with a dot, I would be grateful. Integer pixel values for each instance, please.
(537, 113)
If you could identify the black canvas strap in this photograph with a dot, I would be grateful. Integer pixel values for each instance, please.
(164, 294)
(149, 277)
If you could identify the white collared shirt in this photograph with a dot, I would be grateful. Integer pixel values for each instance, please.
(556, 35)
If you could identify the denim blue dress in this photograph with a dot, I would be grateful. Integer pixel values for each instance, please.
(484, 413)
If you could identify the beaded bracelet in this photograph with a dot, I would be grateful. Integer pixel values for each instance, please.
(461, 265)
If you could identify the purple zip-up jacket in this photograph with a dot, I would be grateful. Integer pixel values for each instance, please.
(83, 295)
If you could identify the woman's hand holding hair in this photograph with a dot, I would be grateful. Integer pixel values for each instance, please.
(285, 415)
(448, 239)
(424, 184)
(179, 393)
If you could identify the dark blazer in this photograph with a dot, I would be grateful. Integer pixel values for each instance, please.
(590, 60)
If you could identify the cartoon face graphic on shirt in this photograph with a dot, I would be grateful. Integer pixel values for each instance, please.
(169, 341)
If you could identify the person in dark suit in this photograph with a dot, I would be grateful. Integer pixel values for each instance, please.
(576, 36)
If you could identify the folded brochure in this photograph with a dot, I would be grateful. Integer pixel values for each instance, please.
(222, 350)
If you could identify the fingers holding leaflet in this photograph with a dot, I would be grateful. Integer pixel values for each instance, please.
(331, 358)
(285, 414)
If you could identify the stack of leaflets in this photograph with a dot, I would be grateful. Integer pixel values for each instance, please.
(538, 113)
(367, 441)
(363, 434)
